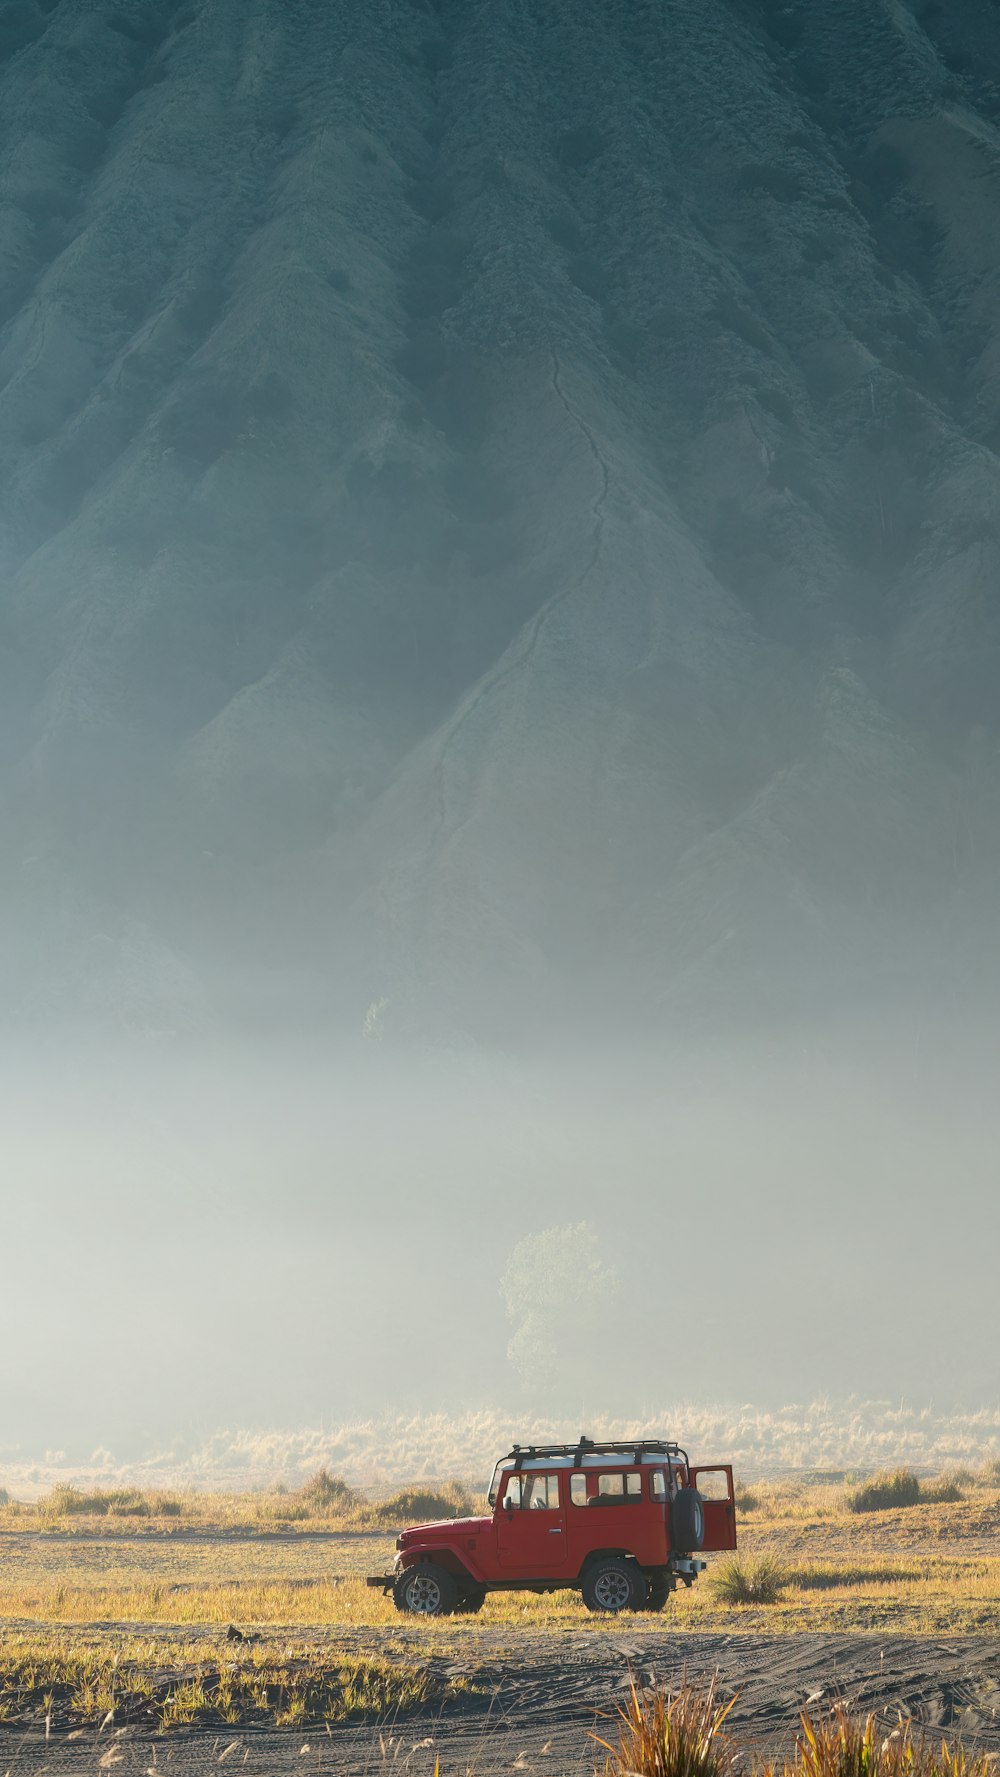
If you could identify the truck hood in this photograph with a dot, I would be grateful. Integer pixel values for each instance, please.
(444, 1531)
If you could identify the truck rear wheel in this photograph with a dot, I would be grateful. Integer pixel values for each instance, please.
(657, 1593)
(470, 1601)
(427, 1590)
(613, 1585)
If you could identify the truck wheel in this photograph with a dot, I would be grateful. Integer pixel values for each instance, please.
(470, 1601)
(687, 1521)
(613, 1585)
(657, 1594)
(427, 1590)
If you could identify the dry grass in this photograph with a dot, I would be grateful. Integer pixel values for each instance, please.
(109, 1502)
(836, 1743)
(684, 1735)
(929, 1571)
(679, 1735)
(756, 1578)
(161, 1684)
(938, 1595)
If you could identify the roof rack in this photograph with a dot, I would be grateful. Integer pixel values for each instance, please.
(584, 1446)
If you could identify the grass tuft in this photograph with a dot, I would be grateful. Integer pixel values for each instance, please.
(671, 1736)
(836, 1743)
(684, 1736)
(747, 1579)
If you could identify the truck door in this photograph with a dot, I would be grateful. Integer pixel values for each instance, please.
(613, 1510)
(531, 1528)
(716, 1488)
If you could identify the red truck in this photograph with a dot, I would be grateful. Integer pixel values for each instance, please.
(621, 1523)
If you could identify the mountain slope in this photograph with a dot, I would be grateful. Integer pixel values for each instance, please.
(499, 509)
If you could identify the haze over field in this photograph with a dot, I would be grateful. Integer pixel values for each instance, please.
(498, 654)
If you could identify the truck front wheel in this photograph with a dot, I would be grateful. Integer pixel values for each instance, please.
(612, 1585)
(427, 1590)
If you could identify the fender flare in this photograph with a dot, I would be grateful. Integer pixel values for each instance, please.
(593, 1555)
(449, 1556)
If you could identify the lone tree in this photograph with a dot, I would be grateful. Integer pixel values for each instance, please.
(546, 1277)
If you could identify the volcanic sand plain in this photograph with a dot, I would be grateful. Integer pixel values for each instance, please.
(897, 1610)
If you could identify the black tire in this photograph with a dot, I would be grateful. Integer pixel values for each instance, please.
(470, 1601)
(687, 1521)
(612, 1585)
(426, 1590)
(657, 1592)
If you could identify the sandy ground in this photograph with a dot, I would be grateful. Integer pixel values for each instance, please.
(543, 1704)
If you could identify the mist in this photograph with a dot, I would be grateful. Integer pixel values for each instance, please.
(498, 716)
(196, 1242)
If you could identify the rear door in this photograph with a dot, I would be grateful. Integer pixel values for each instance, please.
(613, 1510)
(716, 1488)
(531, 1528)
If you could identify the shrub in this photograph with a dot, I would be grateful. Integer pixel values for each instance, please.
(413, 1505)
(324, 1491)
(4, 1497)
(746, 1499)
(944, 1491)
(103, 1502)
(883, 1491)
(671, 1736)
(747, 1579)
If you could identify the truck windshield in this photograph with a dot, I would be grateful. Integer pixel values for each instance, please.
(498, 1474)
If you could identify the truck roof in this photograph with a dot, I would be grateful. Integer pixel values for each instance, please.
(588, 1453)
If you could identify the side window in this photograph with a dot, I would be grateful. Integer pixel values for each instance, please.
(658, 1484)
(578, 1489)
(530, 1492)
(618, 1489)
(541, 1492)
(633, 1485)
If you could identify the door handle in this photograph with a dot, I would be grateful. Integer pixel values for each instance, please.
(556, 1530)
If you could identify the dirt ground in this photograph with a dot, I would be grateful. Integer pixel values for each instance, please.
(540, 1705)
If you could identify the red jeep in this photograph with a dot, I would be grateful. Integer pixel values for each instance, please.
(620, 1523)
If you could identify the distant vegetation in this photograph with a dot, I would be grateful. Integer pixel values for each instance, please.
(902, 1487)
(325, 1500)
(815, 1439)
(108, 1502)
(326, 1490)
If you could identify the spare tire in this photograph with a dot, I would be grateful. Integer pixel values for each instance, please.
(687, 1521)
